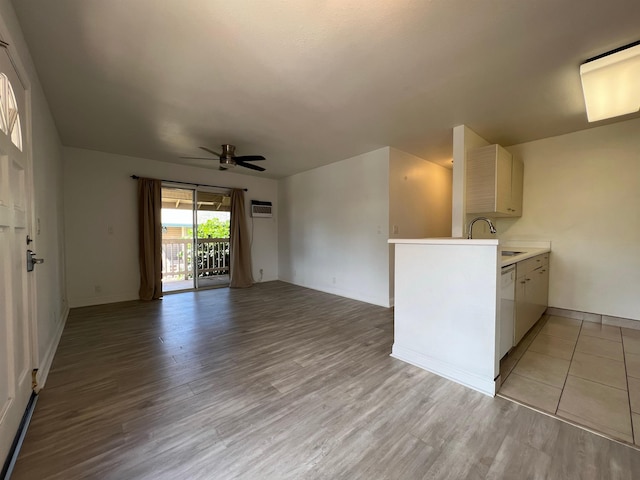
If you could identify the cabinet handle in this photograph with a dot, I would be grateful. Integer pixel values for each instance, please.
(528, 279)
(523, 281)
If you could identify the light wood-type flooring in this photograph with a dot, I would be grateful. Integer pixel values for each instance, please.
(279, 382)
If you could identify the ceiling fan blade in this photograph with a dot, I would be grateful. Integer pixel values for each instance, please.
(249, 158)
(248, 165)
(200, 158)
(210, 151)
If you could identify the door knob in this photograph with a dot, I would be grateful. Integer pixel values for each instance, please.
(32, 260)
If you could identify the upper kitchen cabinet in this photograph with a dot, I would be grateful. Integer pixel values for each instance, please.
(494, 182)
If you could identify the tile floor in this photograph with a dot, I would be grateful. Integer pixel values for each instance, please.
(583, 372)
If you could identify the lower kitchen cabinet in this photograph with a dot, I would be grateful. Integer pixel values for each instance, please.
(531, 293)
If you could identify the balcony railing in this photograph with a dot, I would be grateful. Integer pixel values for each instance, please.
(212, 258)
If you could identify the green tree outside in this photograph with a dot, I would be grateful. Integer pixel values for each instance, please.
(212, 228)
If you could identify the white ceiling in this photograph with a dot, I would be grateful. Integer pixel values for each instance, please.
(310, 82)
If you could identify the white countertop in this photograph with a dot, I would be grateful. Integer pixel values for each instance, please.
(526, 253)
(528, 248)
(446, 241)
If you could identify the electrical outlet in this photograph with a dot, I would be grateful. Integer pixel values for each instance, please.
(98, 289)
(261, 271)
(396, 229)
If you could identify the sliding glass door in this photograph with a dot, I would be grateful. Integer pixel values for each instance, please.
(177, 239)
(213, 218)
(195, 238)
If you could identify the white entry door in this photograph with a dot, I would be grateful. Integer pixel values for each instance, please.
(16, 360)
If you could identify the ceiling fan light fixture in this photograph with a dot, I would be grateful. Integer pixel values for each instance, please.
(227, 162)
(611, 83)
(228, 159)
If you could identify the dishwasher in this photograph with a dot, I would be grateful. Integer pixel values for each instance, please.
(507, 308)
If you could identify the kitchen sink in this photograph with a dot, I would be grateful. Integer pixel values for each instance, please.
(510, 253)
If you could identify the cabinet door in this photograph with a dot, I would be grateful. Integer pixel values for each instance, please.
(490, 187)
(503, 182)
(541, 278)
(522, 309)
(532, 293)
(517, 175)
(481, 180)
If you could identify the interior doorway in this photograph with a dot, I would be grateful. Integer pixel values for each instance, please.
(195, 238)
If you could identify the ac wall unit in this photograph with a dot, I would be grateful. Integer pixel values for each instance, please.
(261, 209)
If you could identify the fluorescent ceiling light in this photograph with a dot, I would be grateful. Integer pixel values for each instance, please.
(611, 83)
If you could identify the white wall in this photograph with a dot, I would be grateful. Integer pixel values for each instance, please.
(100, 195)
(50, 294)
(419, 201)
(334, 228)
(582, 192)
(419, 197)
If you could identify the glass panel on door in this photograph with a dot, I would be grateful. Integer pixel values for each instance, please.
(213, 217)
(177, 239)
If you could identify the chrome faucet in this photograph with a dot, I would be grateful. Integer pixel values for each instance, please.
(492, 229)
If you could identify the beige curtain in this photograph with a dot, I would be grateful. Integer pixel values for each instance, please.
(150, 238)
(241, 276)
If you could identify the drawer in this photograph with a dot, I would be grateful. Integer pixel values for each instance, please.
(545, 258)
(530, 264)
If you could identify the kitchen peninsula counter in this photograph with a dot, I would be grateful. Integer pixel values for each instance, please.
(447, 306)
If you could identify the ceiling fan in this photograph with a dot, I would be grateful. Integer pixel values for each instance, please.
(228, 158)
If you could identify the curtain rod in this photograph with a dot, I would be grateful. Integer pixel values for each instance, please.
(135, 177)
